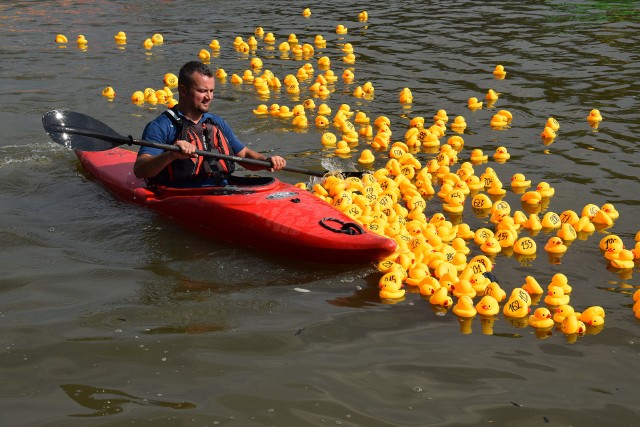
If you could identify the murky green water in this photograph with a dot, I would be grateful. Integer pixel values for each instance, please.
(111, 315)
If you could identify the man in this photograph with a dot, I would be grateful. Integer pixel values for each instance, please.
(190, 126)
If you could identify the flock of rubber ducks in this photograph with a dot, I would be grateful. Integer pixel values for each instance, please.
(432, 255)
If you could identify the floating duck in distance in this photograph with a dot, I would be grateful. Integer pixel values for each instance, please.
(491, 95)
(545, 189)
(363, 16)
(567, 233)
(518, 180)
(306, 12)
(391, 290)
(487, 306)
(341, 29)
(493, 289)
(593, 316)
(555, 245)
(561, 280)
(525, 246)
(501, 155)
(532, 287)
(108, 92)
(572, 325)
(441, 298)
(541, 319)
(473, 104)
(120, 37)
(499, 72)
(548, 134)
(556, 296)
(464, 307)
(61, 38)
(625, 260)
(563, 311)
(610, 210)
(406, 97)
(515, 307)
(594, 117)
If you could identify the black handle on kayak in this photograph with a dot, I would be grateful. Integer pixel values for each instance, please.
(81, 132)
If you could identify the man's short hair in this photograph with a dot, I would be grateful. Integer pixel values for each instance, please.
(191, 67)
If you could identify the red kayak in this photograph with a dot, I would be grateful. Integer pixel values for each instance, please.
(262, 213)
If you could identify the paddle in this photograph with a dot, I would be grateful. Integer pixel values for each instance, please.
(84, 133)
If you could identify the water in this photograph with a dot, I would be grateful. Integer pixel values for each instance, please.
(111, 315)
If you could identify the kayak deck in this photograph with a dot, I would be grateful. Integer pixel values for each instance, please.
(272, 216)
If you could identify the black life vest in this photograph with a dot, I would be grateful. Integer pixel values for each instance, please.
(205, 136)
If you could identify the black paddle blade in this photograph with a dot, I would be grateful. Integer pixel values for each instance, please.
(79, 131)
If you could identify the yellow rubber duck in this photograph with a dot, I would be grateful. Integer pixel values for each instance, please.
(214, 45)
(545, 189)
(593, 316)
(459, 124)
(300, 121)
(563, 311)
(306, 12)
(495, 291)
(541, 319)
(477, 156)
(268, 38)
(492, 95)
(406, 97)
(363, 16)
(261, 110)
(498, 121)
(491, 246)
(137, 97)
(556, 296)
(464, 307)
(551, 220)
(391, 290)
(532, 287)
(531, 198)
(441, 298)
(473, 103)
(571, 325)
(487, 306)
(625, 260)
(499, 72)
(518, 180)
(602, 218)
(171, 80)
(157, 39)
(221, 74)
(594, 116)
(548, 134)
(108, 92)
(567, 232)
(555, 246)
(341, 29)
(120, 37)
(204, 55)
(562, 281)
(516, 307)
(61, 38)
(366, 157)
(610, 210)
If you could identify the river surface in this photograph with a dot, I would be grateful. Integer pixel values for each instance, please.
(111, 315)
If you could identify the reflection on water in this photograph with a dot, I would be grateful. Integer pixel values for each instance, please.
(104, 401)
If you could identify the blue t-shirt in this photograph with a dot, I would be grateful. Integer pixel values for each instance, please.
(163, 131)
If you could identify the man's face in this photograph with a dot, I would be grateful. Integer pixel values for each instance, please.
(200, 94)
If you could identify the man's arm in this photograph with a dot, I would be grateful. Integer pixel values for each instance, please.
(277, 162)
(148, 166)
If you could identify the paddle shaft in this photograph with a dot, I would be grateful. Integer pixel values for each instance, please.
(131, 141)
